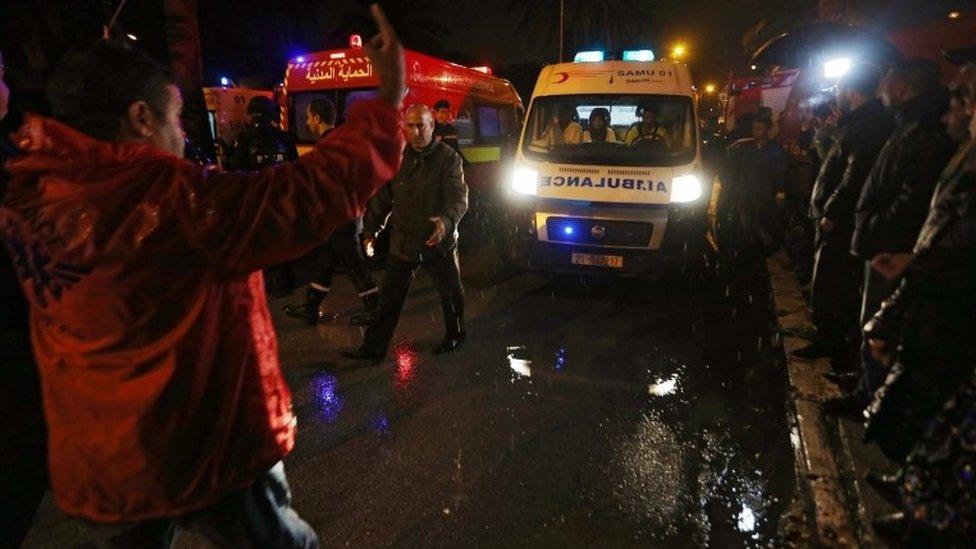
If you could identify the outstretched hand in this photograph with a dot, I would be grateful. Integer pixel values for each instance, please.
(440, 231)
(386, 53)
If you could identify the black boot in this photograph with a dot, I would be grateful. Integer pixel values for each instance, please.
(451, 342)
(364, 354)
(308, 311)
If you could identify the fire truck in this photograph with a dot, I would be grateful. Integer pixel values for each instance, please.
(486, 110)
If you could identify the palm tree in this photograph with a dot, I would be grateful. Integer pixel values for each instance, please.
(610, 24)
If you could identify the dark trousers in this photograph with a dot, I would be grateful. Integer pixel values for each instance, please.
(342, 250)
(876, 289)
(835, 296)
(257, 516)
(444, 271)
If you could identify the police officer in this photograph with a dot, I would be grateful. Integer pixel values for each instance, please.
(343, 249)
(443, 129)
(424, 204)
(263, 144)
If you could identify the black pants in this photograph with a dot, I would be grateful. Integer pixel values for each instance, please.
(446, 274)
(342, 250)
(876, 289)
(835, 296)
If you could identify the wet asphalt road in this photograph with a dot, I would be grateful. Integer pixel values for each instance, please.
(607, 414)
(597, 414)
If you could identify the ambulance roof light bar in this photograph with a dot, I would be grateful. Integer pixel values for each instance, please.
(638, 55)
(594, 56)
(355, 42)
(482, 69)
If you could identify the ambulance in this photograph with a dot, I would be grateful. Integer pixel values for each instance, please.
(608, 175)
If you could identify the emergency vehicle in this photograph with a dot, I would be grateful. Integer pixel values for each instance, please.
(485, 109)
(227, 110)
(632, 200)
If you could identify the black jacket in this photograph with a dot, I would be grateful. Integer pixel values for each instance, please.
(897, 193)
(856, 146)
(262, 145)
(943, 272)
(755, 174)
(429, 184)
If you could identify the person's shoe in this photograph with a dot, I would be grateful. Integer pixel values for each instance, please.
(891, 527)
(363, 354)
(308, 311)
(885, 485)
(450, 343)
(847, 406)
(815, 350)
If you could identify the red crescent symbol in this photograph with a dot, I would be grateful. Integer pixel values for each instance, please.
(565, 77)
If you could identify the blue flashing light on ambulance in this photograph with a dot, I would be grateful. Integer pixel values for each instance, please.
(608, 174)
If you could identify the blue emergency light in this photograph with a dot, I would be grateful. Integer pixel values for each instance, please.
(588, 57)
(568, 229)
(638, 55)
(224, 81)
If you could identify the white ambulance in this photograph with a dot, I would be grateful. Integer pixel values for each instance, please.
(608, 174)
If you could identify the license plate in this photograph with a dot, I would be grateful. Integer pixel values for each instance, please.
(613, 261)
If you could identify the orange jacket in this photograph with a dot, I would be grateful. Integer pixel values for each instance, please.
(158, 358)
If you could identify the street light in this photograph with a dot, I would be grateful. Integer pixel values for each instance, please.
(709, 88)
(954, 15)
(679, 51)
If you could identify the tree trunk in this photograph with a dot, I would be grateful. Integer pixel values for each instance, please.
(183, 40)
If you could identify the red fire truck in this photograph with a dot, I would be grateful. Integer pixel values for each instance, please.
(486, 110)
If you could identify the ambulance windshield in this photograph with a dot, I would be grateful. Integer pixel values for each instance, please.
(611, 129)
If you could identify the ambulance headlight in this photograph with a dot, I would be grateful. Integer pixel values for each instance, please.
(525, 181)
(686, 188)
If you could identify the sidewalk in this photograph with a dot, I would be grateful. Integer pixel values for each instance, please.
(831, 459)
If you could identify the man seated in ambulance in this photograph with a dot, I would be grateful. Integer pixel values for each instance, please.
(599, 130)
(564, 129)
(648, 128)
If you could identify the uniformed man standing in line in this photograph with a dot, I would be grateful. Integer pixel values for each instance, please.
(424, 203)
(342, 250)
(263, 144)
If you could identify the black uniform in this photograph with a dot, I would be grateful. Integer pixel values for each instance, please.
(447, 134)
(895, 202)
(261, 145)
(836, 273)
(430, 183)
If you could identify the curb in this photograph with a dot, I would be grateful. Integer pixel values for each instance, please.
(819, 473)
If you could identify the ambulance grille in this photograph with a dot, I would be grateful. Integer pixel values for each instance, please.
(633, 234)
(637, 173)
(589, 171)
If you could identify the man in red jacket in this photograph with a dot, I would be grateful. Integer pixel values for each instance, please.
(159, 365)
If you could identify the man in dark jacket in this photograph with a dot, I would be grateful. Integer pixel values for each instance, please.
(863, 130)
(424, 204)
(757, 168)
(443, 129)
(342, 250)
(897, 193)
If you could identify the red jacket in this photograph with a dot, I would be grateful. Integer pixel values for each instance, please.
(158, 358)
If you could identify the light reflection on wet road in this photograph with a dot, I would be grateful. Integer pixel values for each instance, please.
(600, 414)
